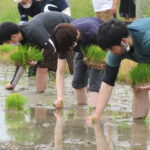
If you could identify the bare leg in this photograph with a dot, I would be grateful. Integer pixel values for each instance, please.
(81, 96)
(140, 106)
(92, 99)
(41, 79)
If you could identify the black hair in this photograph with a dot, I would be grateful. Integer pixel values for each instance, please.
(111, 32)
(64, 36)
(7, 29)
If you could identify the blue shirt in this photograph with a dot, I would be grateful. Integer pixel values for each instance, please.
(139, 30)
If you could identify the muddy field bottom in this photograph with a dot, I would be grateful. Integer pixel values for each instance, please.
(41, 127)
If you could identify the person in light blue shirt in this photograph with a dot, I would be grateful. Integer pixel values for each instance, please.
(132, 42)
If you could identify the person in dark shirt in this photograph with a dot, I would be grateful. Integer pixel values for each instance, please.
(80, 33)
(33, 7)
(37, 32)
(122, 42)
(30, 8)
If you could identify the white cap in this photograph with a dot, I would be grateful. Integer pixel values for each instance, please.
(17, 1)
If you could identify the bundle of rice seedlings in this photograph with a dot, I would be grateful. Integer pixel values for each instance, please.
(34, 54)
(140, 74)
(15, 101)
(94, 53)
(25, 54)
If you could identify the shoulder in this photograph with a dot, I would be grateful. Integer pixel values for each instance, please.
(38, 35)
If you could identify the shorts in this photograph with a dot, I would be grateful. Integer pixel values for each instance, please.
(84, 75)
(104, 15)
(50, 62)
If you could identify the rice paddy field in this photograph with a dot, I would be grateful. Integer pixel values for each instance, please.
(39, 126)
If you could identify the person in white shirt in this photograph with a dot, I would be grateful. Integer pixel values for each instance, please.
(105, 9)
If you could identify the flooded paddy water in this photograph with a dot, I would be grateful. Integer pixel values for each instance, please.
(42, 127)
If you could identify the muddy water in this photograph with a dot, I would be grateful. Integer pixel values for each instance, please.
(42, 127)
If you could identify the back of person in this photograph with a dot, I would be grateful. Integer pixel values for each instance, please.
(38, 6)
(48, 20)
(103, 9)
(88, 28)
(101, 5)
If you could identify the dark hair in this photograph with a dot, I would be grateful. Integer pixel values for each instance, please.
(64, 36)
(7, 29)
(111, 32)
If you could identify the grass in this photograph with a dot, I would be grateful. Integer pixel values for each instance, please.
(15, 101)
(81, 8)
(140, 74)
(9, 11)
(25, 54)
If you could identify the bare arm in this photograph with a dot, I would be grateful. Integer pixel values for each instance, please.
(103, 98)
(58, 131)
(60, 81)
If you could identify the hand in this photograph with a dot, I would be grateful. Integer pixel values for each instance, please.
(140, 88)
(9, 86)
(58, 103)
(32, 63)
(93, 64)
(92, 119)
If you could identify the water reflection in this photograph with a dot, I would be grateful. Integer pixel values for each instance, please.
(102, 143)
(140, 135)
(45, 128)
(48, 129)
(58, 130)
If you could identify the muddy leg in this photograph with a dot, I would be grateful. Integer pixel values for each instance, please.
(41, 79)
(140, 107)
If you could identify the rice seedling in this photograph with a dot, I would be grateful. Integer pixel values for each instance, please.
(90, 109)
(124, 70)
(26, 54)
(123, 125)
(94, 120)
(140, 74)
(15, 101)
(146, 120)
(34, 54)
(94, 53)
(94, 56)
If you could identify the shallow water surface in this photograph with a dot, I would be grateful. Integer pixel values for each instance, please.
(42, 127)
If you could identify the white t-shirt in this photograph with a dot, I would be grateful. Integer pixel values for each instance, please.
(101, 5)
